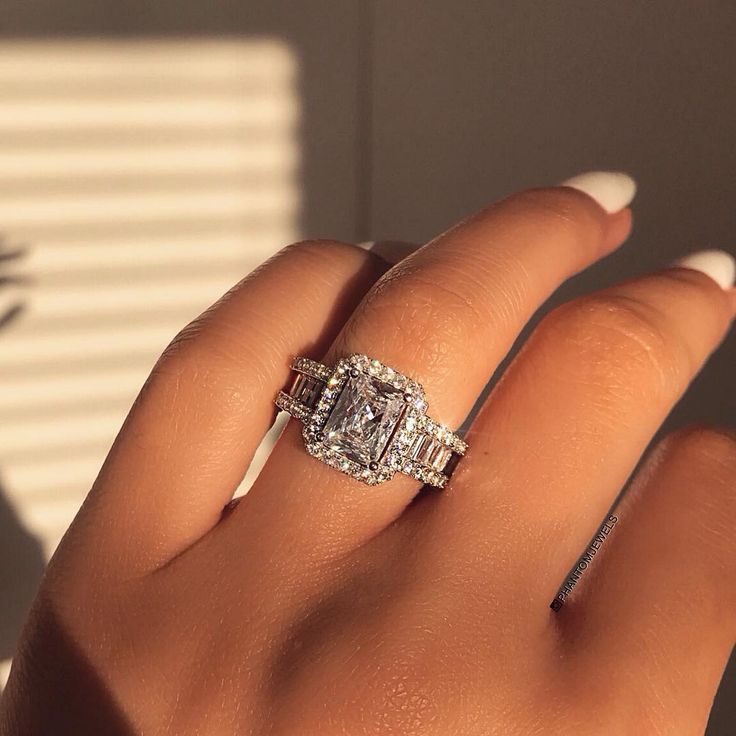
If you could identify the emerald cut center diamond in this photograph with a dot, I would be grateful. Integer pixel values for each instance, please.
(364, 418)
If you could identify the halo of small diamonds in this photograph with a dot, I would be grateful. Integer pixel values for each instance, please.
(391, 461)
(415, 444)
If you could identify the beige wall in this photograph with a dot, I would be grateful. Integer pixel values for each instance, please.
(398, 118)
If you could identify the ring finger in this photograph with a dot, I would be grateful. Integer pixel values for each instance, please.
(475, 286)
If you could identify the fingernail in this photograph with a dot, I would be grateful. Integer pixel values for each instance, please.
(717, 264)
(612, 190)
(391, 251)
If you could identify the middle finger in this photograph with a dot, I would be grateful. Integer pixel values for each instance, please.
(564, 428)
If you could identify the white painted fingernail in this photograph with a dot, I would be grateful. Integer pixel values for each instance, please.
(613, 190)
(717, 264)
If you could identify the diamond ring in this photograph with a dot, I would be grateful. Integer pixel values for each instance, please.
(369, 421)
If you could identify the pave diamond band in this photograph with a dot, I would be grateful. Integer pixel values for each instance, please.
(369, 421)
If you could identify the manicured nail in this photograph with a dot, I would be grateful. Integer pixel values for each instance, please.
(612, 190)
(717, 264)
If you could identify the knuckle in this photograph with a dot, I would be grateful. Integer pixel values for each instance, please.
(208, 339)
(428, 316)
(620, 334)
(693, 285)
(316, 255)
(710, 449)
(561, 210)
(327, 260)
(190, 366)
(204, 354)
(703, 296)
(697, 467)
(316, 249)
(195, 350)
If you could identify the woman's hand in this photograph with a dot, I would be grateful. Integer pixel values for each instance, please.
(321, 606)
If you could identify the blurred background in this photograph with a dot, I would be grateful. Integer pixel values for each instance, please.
(152, 154)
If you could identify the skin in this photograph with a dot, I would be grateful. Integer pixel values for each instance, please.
(317, 605)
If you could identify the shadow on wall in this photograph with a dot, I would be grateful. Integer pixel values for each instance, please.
(21, 566)
(22, 560)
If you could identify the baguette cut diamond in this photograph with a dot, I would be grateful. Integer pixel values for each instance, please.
(364, 418)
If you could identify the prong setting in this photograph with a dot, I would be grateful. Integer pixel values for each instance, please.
(365, 433)
(384, 468)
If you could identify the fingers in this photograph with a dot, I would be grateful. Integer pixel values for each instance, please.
(660, 601)
(445, 316)
(565, 427)
(193, 430)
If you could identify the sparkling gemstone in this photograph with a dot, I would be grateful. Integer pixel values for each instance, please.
(364, 418)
